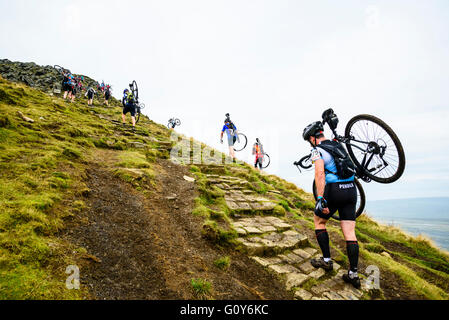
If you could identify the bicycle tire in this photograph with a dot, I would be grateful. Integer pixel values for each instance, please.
(58, 68)
(361, 199)
(266, 163)
(135, 90)
(137, 114)
(242, 144)
(178, 122)
(304, 160)
(358, 121)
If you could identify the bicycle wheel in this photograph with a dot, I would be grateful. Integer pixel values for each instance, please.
(375, 149)
(361, 199)
(305, 162)
(58, 68)
(266, 161)
(135, 90)
(137, 114)
(241, 142)
(178, 122)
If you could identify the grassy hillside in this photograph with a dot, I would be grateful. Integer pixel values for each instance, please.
(45, 167)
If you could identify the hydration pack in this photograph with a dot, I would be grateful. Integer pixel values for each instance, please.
(343, 163)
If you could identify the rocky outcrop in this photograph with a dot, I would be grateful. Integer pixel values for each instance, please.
(44, 78)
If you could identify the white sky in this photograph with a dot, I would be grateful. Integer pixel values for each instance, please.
(274, 65)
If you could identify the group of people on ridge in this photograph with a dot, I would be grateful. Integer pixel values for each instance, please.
(334, 192)
(71, 84)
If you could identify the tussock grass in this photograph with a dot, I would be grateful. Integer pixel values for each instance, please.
(201, 287)
(223, 263)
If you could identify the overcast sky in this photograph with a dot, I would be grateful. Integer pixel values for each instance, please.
(274, 65)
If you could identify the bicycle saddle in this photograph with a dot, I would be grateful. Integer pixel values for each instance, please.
(330, 118)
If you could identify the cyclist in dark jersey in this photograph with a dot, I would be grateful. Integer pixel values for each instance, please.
(90, 96)
(333, 194)
(65, 83)
(107, 95)
(128, 102)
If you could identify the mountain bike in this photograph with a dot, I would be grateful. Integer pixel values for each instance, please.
(60, 69)
(139, 106)
(265, 157)
(173, 122)
(240, 141)
(266, 160)
(373, 147)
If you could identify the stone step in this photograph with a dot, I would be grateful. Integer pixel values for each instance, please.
(259, 225)
(273, 243)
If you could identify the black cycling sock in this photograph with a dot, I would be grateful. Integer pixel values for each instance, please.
(352, 247)
(323, 240)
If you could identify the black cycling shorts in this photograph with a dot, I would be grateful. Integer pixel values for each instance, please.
(66, 87)
(341, 197)
(90, 95)
(107, 95)
(258, 162)
(130, 108)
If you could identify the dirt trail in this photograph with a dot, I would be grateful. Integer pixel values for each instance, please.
(151, 247)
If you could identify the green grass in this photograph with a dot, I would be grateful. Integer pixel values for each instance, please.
(223, 263)
(43, 166)
(201, 287)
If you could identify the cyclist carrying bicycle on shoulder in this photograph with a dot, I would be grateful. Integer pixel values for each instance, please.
(107, 95)
(65, 83)
(231, 132)
(90, 96)
(128, 103)
(335, 191)
(258, 152)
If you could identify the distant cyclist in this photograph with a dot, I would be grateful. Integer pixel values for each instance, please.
(128, 102)
(258, 152)
(231, 132)
(90, 96)
(73, 85)
(65, 83)
(107, 95)
(335, 191)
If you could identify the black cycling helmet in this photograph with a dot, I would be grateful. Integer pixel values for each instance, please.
(312, 130)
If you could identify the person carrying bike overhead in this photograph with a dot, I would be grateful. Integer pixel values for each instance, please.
(334, 177)
(258, 152)
(231, 131)
(128, 102)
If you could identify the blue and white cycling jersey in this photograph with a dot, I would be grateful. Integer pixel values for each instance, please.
(230, 131)
(329, 165)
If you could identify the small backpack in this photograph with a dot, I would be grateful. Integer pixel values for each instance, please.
(343, 163)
